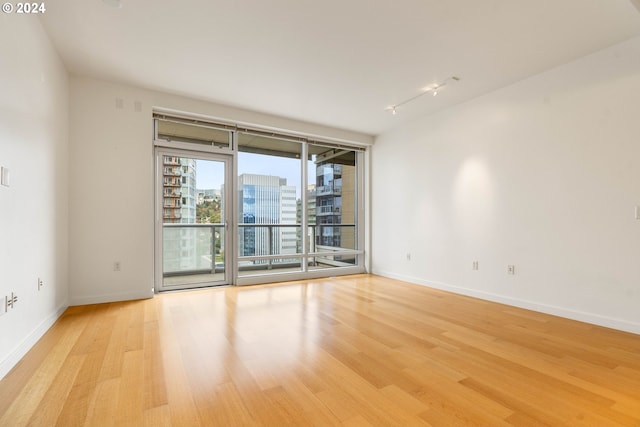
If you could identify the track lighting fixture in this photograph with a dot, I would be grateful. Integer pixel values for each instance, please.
(433, 90)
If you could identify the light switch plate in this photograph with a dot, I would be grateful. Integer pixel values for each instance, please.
(4, 174)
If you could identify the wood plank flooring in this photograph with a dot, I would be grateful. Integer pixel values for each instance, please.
(354, 351)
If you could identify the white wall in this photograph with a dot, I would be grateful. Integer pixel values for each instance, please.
(111, 182)
(34, 208)
(543, 174)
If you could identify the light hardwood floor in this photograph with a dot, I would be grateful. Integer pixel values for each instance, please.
(356, 351)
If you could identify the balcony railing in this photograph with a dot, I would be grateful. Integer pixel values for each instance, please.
(171, 160)
(193, 249)
(190, 249)
(320, 248)
(327, 210)
(172, 182)
(327, 190)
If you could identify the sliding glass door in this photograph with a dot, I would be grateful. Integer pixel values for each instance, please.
(297, 218)
(191, 220)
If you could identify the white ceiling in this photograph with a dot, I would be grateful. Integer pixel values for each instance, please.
(332, 62)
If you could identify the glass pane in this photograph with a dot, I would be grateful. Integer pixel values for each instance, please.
(193, 221)
(332, 199)
(269, 182)
(186, 248)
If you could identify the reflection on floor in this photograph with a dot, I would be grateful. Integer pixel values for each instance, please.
(351, 351)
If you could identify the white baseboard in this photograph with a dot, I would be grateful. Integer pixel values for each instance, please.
(30, 340)
(99, 299)
(592, 318)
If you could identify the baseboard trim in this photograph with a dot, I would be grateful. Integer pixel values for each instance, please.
(30, 340)
(592, 318)
(105, 298)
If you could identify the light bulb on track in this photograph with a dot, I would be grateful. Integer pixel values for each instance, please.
(433, 90)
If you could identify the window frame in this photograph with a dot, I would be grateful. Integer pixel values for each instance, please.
(361, 200)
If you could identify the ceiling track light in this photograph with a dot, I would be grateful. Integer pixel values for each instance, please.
(433, 90)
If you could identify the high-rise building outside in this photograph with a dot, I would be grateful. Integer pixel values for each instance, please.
(180, 245)
(288, 215)
(311, 217)
(171, 194)
(188, 190)
(267, 200)
(335, 205)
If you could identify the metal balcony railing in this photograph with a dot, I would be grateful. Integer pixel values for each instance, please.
(324, 241)
(171, 214)
(327, 190)
(172, 171)
(172, 182)
(327, 210)
(193, 248)
(168, 160)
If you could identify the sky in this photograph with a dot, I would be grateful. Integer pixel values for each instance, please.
(210, 174)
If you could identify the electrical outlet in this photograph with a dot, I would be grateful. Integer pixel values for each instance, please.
(116, 266)
(11, 301)
(475, 265)
(40, 283)
(408, 257)
(511, 269)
